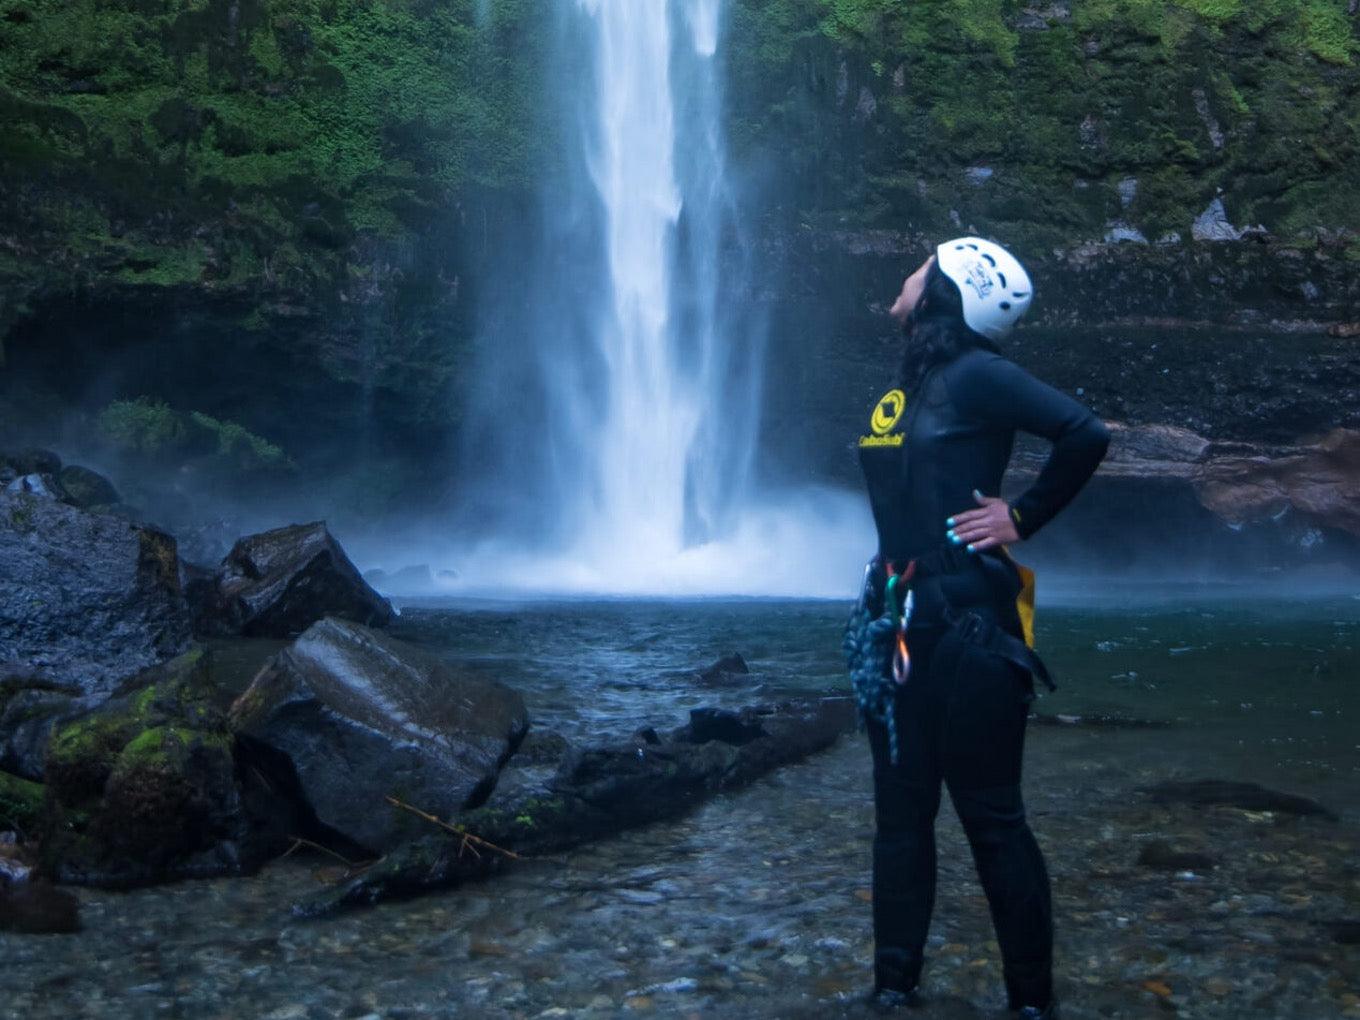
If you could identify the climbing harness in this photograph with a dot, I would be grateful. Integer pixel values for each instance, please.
(876, 648)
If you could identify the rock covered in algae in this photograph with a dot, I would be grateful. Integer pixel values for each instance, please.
(359, 717)
(144, 788)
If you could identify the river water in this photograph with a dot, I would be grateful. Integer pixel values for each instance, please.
(755, 905)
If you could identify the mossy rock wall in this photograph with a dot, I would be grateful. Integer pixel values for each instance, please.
(284, 189)
(1044, 123)
(286, 213)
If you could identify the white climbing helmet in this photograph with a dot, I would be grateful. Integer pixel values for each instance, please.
(995, 287)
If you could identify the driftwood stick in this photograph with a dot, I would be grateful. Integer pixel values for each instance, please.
(470, 842)
(299, 842)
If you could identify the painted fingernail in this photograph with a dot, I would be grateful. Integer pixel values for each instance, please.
(949, 523)
(970, 547)
(954, 538)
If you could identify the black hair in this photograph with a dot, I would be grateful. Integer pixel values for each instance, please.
(935, 331)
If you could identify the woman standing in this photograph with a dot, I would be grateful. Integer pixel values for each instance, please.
(946, 600)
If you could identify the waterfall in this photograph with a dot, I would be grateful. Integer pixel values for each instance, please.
(619, 405)
(666, 445)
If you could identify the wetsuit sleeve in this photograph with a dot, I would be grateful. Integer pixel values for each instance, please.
(994, 390)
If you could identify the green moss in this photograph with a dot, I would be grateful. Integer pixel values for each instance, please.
(238, 444)
(1187, 96)
(21, 803)
(153, 428)
(149, 747)
(143, 425)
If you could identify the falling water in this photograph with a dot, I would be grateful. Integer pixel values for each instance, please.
(646, 362)
(668, 451)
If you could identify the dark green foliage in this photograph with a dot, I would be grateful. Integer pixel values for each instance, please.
(877, 107)
(288, 126)
(154, 429)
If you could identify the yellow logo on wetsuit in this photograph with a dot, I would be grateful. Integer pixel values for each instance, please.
(887, 413)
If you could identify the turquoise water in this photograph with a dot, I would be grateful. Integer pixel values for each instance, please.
(755, 905)
(1262, 690)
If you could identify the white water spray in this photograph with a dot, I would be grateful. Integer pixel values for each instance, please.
(649, 358)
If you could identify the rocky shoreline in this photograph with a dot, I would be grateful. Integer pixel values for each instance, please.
(129, 759)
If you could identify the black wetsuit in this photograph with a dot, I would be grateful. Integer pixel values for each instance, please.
(961, 714)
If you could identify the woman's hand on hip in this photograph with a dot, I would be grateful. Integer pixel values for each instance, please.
(989, 525)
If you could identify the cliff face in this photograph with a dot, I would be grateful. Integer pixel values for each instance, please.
(1058, 123)
(290, 190)
(283, 212)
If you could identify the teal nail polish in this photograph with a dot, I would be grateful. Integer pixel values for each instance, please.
(949, 523)
(970, 547)
(954, 538)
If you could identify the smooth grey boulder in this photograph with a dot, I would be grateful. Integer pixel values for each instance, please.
(280, 582)
(360, 717)
(86, 599)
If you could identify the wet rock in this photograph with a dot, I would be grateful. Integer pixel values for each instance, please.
(542, 747)
(1345, 330)
(721, 724)
(725, 670)
(278, 583)
(359, 717)
(144, 788)
(1247, 796)
(86, 488)
(86, 599)
(597, 791)
(1159, 854)
(1321, 482)
(30, 706)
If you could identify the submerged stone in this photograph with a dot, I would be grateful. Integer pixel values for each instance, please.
(360, 717)
(1247, 796)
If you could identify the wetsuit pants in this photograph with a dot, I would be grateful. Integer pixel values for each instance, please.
(960, 720)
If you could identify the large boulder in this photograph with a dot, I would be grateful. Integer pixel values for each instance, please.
(360, 717)
(87, 488)
(278, 583)
(144, 789)
(1167, 499)
(86, 599)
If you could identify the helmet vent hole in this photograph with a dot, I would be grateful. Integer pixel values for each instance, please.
(1019, 293)
(990, 261)
(1005, 306)
(1002, 277)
